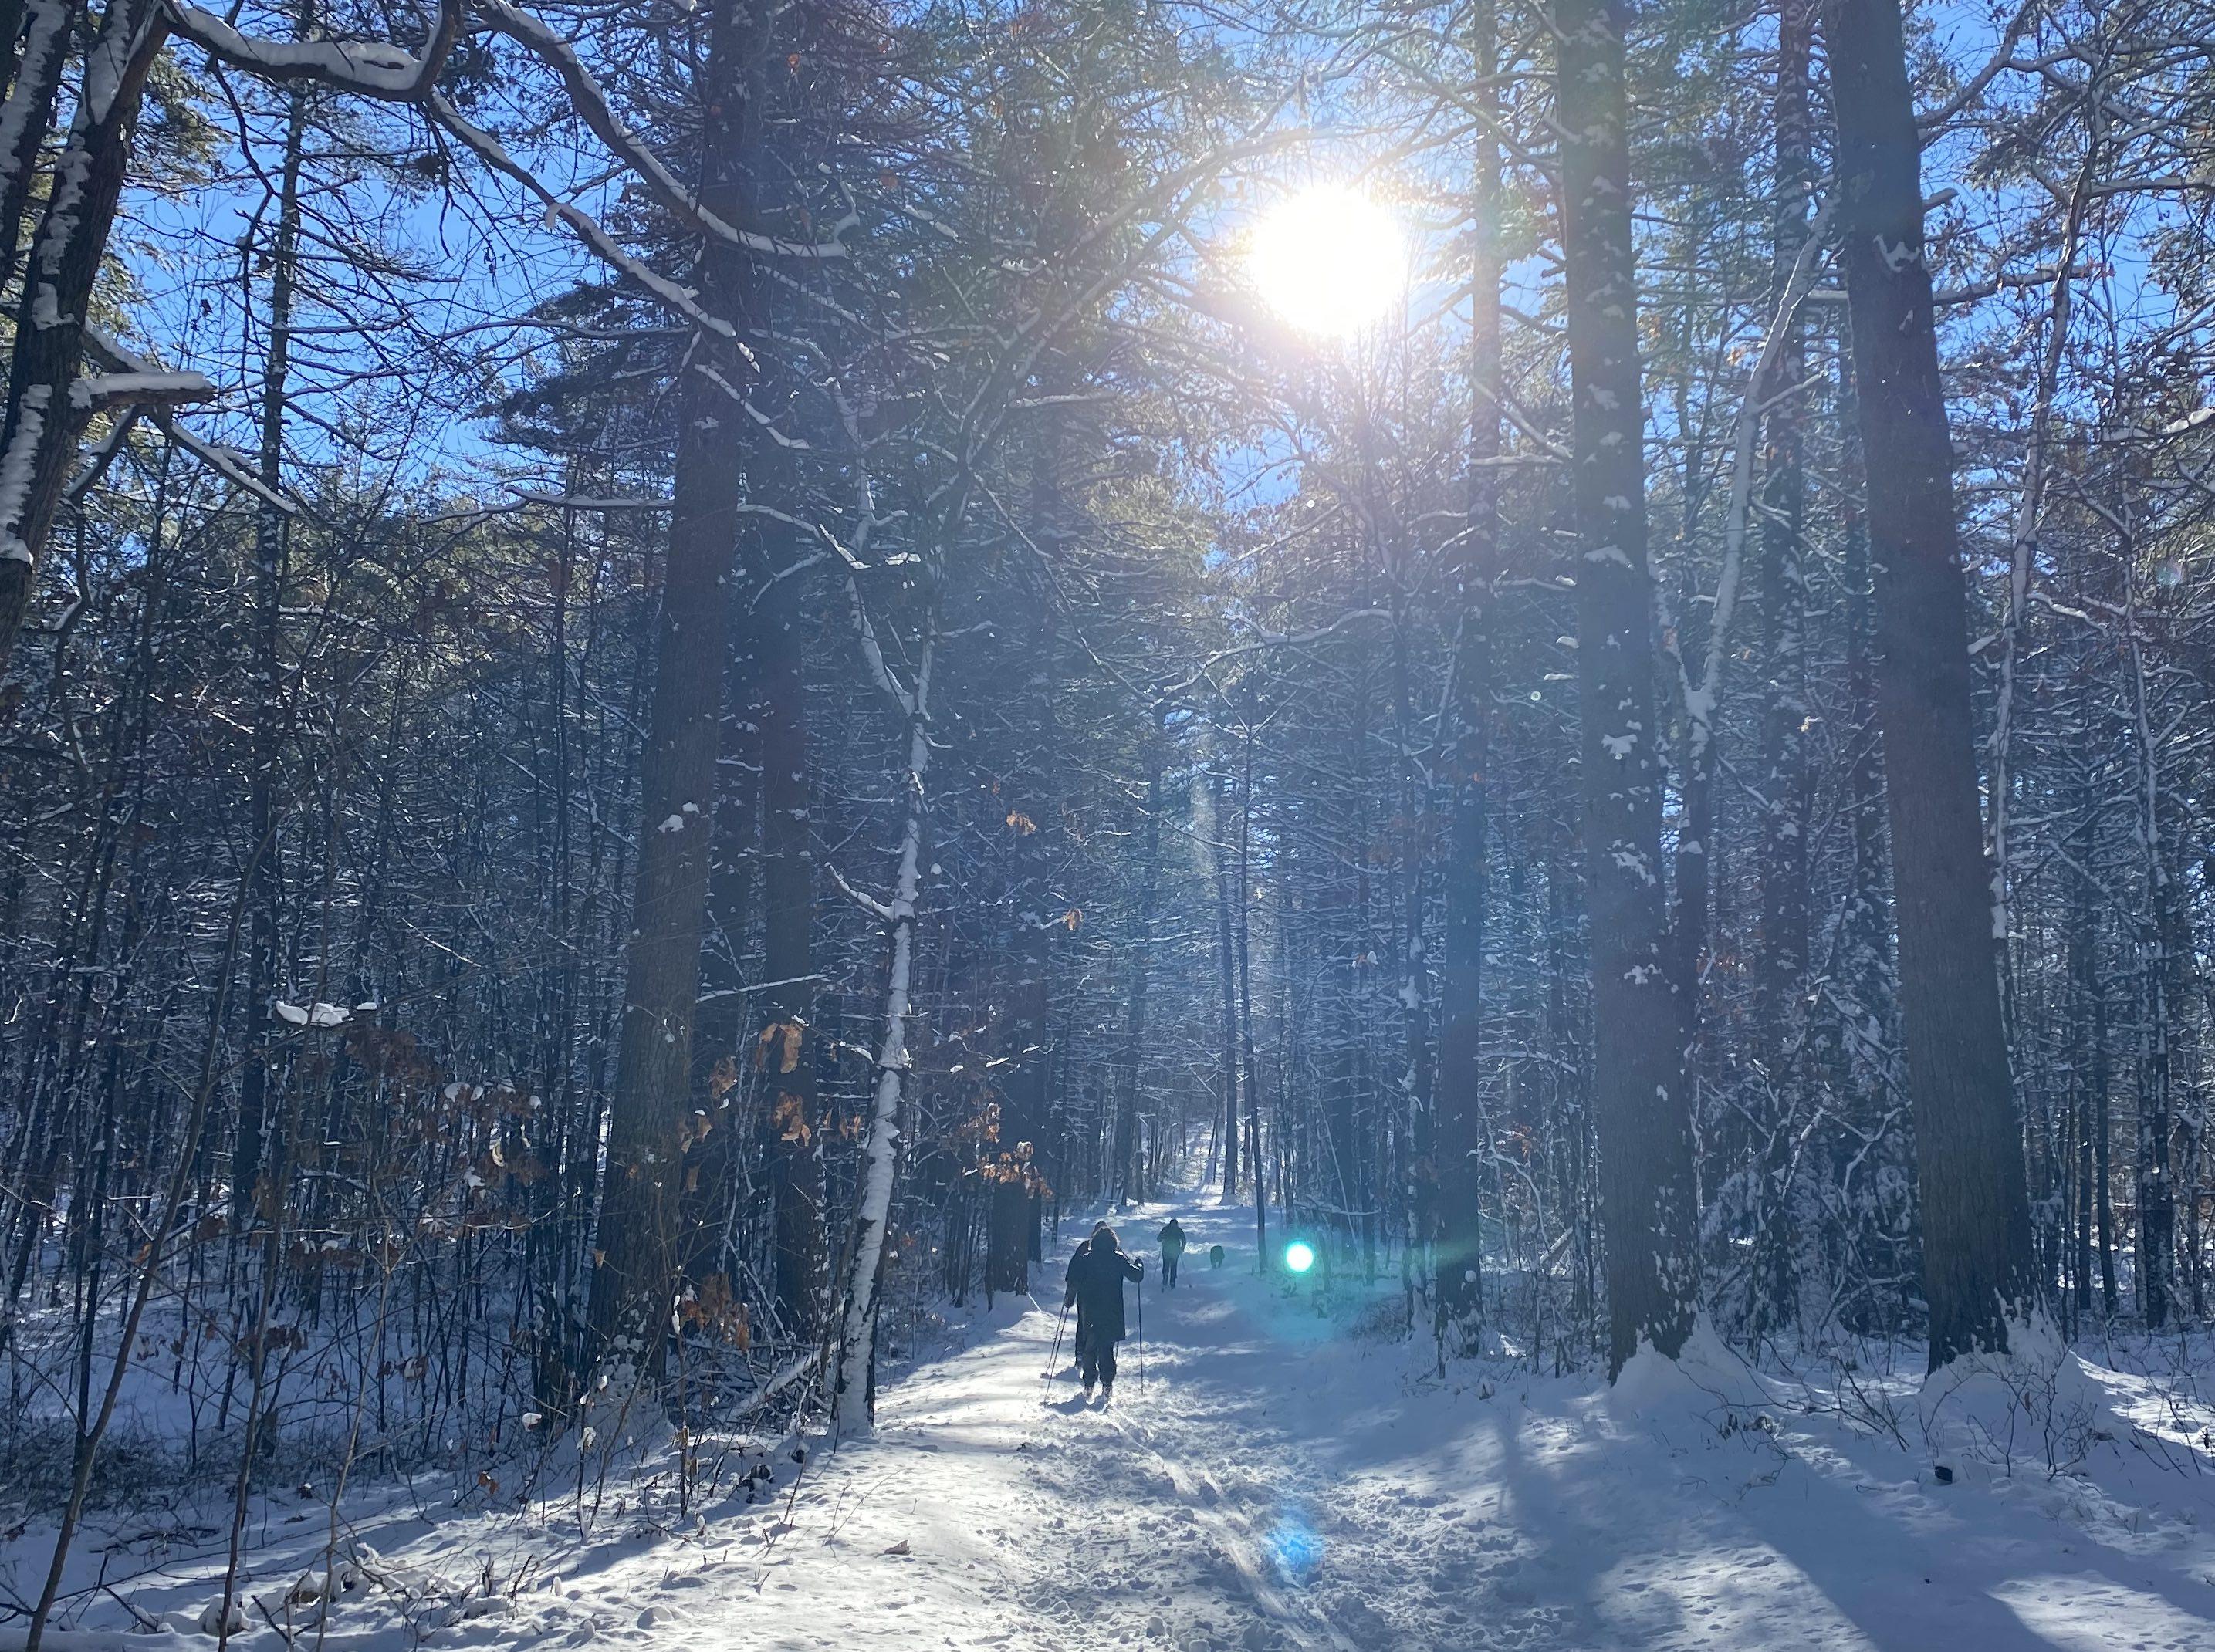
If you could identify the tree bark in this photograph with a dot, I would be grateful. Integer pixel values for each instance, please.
(27, 117)
(637, 1255)
(1459, 1232)
(786, 1049)
(2087, 1055)
(1781, 982)
(853, 1375)
(1245, 937)
(271, 539)
(2162, 943)
(1639, 1088)
(1031, 818)
(1128, 1179)
(40, 429)
(1226, 1077)
(718, 1169)
(1974, 1197)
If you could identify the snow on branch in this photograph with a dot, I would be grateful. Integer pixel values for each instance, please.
(95, 392)
(814, 530)
(870, 903)
(682, 299)
(227, 462)
(365, 68)
(593, 107)
(97, 461)
(123, 363)
(873, 655)
(720, 993)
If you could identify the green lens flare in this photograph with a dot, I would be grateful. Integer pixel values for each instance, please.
(1299, 1256)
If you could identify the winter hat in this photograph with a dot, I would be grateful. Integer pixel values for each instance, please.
(1104, 1234)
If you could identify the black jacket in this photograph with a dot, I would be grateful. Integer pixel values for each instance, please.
(1095, 1286)
(1173, 1237)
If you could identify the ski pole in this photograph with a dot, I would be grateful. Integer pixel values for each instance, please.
(1053, 1359)
(1142, 1333)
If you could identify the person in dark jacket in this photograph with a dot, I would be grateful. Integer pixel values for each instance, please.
(1172, 1237)
(1095, 1287)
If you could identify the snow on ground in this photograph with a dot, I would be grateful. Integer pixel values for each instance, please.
(1276, 1483)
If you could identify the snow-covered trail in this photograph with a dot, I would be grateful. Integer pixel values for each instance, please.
(1278, 1483)
(1213, 1504)
(1273, 1484)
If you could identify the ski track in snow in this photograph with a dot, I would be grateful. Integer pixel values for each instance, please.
(1275, 1484)
(1216, 1504)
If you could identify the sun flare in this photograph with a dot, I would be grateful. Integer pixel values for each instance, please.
(1330, 260)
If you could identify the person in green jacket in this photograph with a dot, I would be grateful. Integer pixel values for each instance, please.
(1172, 1251)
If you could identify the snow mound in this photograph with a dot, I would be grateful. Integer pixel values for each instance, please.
(1707, 1381)
(2041, 1406)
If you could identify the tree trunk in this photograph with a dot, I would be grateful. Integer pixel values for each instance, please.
(38, 431)
(271, 538)
(28, 115)
(637, 1260)
(1974, 1198)
(1459, 1231)
(1639, 1096)
(718, 1170)
(1226, 1079)
(1414, 1142)
(1862, 978)
(2087, 1063)
(2161, 944)
(2103, 1150)
(1032, 819)
(1781, 982)
(1027, 1046)
(853, 1376)
(1127, 1180)
(1253, 1161)
(786, 1049)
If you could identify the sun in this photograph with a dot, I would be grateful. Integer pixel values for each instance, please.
(1330, 260)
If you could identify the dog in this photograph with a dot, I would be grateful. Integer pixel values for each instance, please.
(1215, 1256)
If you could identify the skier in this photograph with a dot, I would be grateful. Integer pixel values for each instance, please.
(1097, 1274)
(1172, 1251)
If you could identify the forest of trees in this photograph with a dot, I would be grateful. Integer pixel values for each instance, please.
(674, 671)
